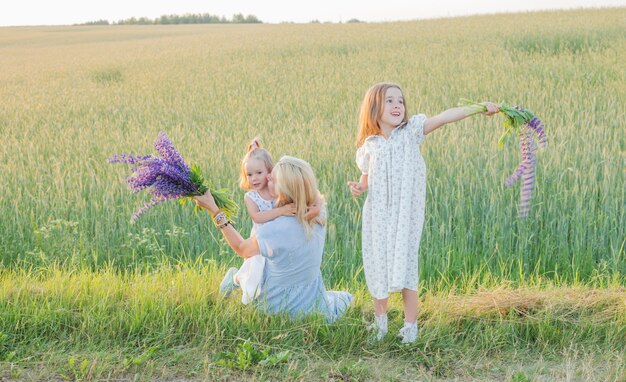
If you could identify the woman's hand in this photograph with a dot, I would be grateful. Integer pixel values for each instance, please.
(492, 108)
(207, 202)
(288, 209)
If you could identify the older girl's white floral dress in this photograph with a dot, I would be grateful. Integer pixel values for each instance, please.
(393, 213)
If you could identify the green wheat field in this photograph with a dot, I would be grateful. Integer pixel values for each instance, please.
(86, 295)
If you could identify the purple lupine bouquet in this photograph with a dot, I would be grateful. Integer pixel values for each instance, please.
(527, 126)
(169, 177)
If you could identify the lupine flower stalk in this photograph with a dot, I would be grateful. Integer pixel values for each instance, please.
(169, 177)
(527, 126)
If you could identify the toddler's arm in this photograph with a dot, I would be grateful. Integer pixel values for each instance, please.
(455, 114)
(317, 212)
(314, 210)
(357, 188)
(265, 216)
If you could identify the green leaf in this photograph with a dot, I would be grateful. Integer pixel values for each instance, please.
(274, 360)
(225, 203)
(283, 356)
(198, 179)
(222, 197)
(503, 138)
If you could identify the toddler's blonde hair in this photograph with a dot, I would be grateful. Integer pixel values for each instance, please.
(254, 151)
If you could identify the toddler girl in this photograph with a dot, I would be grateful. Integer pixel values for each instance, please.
(256, 166)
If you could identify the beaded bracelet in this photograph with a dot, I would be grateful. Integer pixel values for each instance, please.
(219, 218)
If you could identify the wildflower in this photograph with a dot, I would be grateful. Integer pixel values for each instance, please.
(169, 177)
(527, 126)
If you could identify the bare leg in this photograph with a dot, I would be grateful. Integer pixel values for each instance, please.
(410, 301)
(379, 326)
(380, 307)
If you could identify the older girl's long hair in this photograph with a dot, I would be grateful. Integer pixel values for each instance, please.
(254, 151)
(294, 182)
(372, 109)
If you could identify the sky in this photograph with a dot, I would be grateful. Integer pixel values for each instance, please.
(67, 12)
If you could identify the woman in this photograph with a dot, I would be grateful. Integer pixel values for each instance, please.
(291, 245)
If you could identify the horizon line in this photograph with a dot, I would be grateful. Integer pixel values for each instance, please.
(316, 21)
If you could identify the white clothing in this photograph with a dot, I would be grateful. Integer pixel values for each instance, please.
(262, 204)
(393, 213)
(250, 275)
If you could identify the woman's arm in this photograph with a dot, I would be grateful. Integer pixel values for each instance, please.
(455, 114)
(265, 216)
(243, 247)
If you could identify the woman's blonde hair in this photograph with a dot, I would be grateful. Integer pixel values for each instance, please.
(254, 151)
(294, 182)
(372, 110)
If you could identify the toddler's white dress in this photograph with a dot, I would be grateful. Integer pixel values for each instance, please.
(250, 275)
(393, 213)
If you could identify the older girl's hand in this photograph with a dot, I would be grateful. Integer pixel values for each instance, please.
(492, 108)
(207, 202)
(357, 188)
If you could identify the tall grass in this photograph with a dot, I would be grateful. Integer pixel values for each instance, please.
(95, 325)
(71, 97)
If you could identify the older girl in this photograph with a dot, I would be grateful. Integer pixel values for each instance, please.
(394, 171)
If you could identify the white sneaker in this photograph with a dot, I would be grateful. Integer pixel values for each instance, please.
(228, 283)
(378, 328)
(408, 333)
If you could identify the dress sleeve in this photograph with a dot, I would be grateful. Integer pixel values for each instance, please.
(265, 247)
(363, 159)
(416, 127)
(267, 236)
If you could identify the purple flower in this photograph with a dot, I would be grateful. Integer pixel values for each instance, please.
(525, 171)
(169, 153)
(168, 177)
(153, 202)
(537, 126)
(130, 159)
(524, 123)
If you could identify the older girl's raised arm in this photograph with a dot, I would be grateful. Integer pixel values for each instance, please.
(455, 114)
